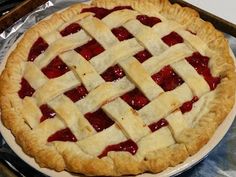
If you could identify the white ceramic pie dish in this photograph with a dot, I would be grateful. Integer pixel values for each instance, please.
(171, 171)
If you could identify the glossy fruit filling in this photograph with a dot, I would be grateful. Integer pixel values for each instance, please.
(200, 63)
(77, 93)
(99, 12)
(167, 78)
(113, 73)
(135, 98)
(142, 56)
(26, 89)
(71, 29)
(47, 112)
(129, 146)
(39, 46)
(121, 33)
(157, 125)
(63, 135)
(90, 50)
(187, 106)
(148, 21)
(55, 68)
(172, 39)
(121, 8)
(99, 120)
(102, 12)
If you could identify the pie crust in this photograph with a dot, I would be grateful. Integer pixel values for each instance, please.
(170, 145)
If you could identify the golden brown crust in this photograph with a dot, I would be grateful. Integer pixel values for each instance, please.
(120, 163)
(158, 161)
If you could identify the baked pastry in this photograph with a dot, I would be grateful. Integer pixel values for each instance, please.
(117, 87)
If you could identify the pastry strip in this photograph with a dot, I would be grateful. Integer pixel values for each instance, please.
(137, 74)
(69, 42)
(157, 140)
(191, 77)
(87, 74)
(48, 128)
(171, 55)
(95, 144)
(177, 123)
(165, 104)
(118, 18)
(127, 119)
(31, 112)
(34, 76)
(99, 31)
(55, 87)
(72, 117)
(103, 94)
(146, 37)
(112, 55)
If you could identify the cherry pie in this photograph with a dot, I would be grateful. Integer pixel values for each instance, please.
(117, 87)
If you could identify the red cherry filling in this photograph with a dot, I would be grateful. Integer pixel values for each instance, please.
(47, 112)
(99, 120)
(62, 135)
(90, 50)
(102, 12)
(187, 106)
(71, 29)
(143, 56)
(172, 39)
(148, 21)
(157, 125)
(200, 63)
(38, 47)
(77, 93)
(113, 73)
(167, 78)
(121, 8)
(98, 11)
(55, 68)
(128, 146)
(135, 98)
(26, 89)
(121, 33)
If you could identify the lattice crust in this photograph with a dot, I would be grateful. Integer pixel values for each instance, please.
(168, 125)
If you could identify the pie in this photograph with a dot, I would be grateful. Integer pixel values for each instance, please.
(117, 87)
